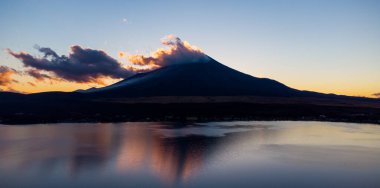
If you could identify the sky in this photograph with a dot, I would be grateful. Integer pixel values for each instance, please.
(329, 46)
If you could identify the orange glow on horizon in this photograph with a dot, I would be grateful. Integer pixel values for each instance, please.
(27, 85)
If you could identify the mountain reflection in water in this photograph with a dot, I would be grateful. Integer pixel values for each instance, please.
(178, 154)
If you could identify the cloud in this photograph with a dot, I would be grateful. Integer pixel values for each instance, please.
(6, 79)
(178, 52)
(38, 75)
(376, 95)
(32, 84)
(82, 65)
(121, 55)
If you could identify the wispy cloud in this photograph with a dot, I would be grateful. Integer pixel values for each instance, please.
(32, 84)
(38, 75)
(376, 95)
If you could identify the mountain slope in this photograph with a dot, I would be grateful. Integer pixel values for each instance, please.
(196, 79)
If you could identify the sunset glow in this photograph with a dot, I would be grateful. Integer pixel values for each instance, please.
(335, 54)
(258, 93)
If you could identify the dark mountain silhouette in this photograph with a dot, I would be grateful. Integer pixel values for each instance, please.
(209, 78)
(201, 90)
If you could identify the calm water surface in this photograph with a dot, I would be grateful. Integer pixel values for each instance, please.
(217, 154)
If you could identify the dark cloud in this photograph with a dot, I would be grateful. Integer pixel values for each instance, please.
(82, 65)
(38, 75)
(47, 51)
(178, 52)
(376, 95)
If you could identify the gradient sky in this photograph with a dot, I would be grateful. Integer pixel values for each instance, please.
(330, 46)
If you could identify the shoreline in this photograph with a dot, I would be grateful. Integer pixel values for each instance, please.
(14, 122)
(159, 109)
(216, 120)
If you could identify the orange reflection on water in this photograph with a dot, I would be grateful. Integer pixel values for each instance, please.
(133, 148)
(90, 146)
(142, 147)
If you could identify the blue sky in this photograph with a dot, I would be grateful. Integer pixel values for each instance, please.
(326, 46)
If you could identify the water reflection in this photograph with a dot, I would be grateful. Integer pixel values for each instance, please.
(91, 148)
(156, 154)
(172, 159)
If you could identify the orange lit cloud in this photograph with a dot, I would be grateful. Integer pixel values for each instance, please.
(376, 95)
(32, 84)
(122, 55)
(178, 51)
(6, 79)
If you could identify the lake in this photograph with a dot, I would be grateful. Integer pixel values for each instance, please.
(215, 154)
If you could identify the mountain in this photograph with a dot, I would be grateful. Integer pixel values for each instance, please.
(206, 78)
(209, 78)
(205, 91)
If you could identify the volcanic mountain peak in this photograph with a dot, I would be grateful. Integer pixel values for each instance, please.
(208, 78)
